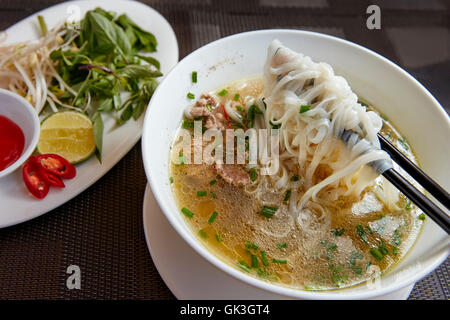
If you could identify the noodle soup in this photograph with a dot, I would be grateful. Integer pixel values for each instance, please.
(274, 227)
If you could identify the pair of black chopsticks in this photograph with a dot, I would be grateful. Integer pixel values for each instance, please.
(411, 192)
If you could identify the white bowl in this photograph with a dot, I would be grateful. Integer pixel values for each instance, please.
(412, 109)
(23, 114)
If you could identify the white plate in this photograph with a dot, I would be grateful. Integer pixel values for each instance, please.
(196, 278)
(16, 204)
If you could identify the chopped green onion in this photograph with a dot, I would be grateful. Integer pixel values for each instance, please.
(264, 259)
(213, 194)
(362, 234)
(182, 159)
(171, 179)
(395, 250)
(384, 251)
(253, 174)
(357, 270)
(213, 217)
(188, 124)
(338, 278)
(208, 107)
(355, 255)
(274, 126)
(422, 216)
(244, 266)
(219, 237)
(253, 110)
(239, 108)
(202, 193)
(263, 273)
(282, 245)
(408, 205)
(203, 234)
(187, 213)
(376, 254)
(251, 245)
(338, 232)
(223, 92)
(212, 182)
(254, 261)
(304, 108)
(191, 95)
(396, 240)
(287, 196)
(237, 96)
(330, 246)
(279, 261)
(268, 212)
(313, 288)
(194, 76)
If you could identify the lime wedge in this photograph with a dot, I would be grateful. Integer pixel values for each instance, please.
(69, 134)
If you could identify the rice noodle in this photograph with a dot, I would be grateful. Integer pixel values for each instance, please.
(311, 138)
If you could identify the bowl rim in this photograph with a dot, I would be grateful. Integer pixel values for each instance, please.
(219, 264)
(36, 132)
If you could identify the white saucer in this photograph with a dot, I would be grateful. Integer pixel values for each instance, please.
(188, 275)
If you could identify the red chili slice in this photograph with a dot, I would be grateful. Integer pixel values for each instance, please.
(35, 184)
(227, 117)
(56, 165)
(50, 178)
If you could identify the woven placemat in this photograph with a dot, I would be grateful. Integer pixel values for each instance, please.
(101, 229)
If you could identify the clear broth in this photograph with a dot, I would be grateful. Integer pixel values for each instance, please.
(310, 258)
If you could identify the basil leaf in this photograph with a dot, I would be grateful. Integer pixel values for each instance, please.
(139, 109)
(82, 90)
(110, 15)
(117, 101)
(150, 60)
(122, 39)
(103, 35)
(105, 105)
(131, 36)
(126, 115)
(136, 71)
(146, 40)
(150, 87)
(108, 60)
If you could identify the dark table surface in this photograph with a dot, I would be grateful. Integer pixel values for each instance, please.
(101, 229)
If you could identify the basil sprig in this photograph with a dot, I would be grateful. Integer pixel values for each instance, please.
(104, 61)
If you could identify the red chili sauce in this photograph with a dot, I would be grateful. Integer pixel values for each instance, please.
(12, 142)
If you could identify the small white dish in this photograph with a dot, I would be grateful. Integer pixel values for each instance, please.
(410, 107)
(20, 111)
(167, 249)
